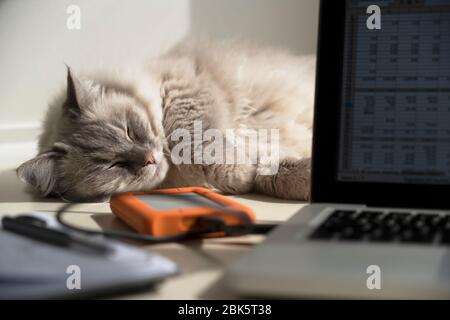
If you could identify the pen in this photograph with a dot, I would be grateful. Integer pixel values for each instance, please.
(37, 230)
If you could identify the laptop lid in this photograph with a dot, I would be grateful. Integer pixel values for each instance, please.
(382, 109)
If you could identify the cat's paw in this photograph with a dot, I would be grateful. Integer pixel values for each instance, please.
(292, 181)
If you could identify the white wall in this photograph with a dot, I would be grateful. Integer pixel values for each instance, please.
(35, 43)
(288, 23)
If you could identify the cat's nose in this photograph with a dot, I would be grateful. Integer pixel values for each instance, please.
(149, 159)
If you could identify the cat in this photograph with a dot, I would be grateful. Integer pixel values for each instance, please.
(109, 131)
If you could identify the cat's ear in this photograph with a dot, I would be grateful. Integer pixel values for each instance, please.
(39, 172)
(80, 93)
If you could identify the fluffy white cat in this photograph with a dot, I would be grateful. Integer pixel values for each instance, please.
(111, 130)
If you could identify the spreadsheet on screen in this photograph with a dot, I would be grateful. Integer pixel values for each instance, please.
(395, 110)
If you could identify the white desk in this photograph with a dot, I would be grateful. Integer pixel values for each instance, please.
(201, 262)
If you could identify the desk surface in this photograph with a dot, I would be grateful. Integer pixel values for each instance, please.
(201, 262)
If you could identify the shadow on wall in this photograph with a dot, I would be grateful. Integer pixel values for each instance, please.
(288, 23)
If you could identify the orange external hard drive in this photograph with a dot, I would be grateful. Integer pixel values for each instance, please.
(170, 212)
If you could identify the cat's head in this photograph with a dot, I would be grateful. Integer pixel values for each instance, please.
(105, 141)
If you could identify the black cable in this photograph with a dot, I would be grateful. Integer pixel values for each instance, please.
(263, 228)
(118, 234)
(212, 224)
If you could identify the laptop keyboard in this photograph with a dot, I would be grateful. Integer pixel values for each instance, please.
(380, 226)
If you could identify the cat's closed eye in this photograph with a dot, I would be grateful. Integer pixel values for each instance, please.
(117, 164)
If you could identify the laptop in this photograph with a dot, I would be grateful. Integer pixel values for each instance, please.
(378, 225)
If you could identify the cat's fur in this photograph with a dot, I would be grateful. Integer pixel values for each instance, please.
(98, 130)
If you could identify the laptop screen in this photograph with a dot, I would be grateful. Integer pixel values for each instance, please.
(395, 108)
